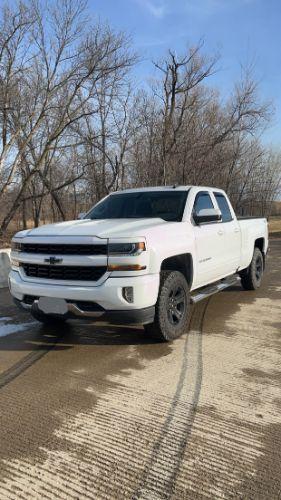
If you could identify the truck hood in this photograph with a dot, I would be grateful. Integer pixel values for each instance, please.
(109, 228)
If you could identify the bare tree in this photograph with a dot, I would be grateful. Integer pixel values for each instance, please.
(64, 63)
(73, 128)
(181, 77)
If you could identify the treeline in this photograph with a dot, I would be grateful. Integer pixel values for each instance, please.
(74, 127)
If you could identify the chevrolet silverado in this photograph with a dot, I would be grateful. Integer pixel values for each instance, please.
(139, 256)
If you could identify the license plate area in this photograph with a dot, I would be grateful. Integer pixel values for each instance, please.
(51, 305)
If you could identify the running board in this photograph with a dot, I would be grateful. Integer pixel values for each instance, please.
(209, 290)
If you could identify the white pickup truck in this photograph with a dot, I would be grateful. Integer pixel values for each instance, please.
(140, 256)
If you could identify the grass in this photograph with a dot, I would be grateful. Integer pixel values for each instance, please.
(14, 227)
(5, 240)
(275, 225)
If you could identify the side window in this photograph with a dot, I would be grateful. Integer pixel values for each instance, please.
(224, 207)
(203, 200)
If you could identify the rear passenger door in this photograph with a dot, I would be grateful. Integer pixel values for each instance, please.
(230, 255)
(209, 242)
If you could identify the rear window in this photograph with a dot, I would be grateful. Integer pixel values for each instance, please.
(224, 207)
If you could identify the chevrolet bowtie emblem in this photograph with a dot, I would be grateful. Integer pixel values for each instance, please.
(53, 260)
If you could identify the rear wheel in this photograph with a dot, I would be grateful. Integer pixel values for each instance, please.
(172, 310)
(252, 276)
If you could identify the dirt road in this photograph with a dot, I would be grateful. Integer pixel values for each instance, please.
(103, 412)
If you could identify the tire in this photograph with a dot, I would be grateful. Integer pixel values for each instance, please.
(252, 276)
(172, 310)
(46, 319)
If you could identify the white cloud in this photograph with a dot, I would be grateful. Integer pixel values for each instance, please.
(157, 11)
(212, 6)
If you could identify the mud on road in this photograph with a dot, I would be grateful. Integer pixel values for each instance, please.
(100, 412)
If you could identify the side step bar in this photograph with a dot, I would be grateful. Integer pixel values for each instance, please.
(207, 291)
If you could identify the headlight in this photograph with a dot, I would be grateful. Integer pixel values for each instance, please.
(16, 246)
(126, 248)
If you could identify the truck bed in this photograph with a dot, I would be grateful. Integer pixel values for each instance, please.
(250, 217)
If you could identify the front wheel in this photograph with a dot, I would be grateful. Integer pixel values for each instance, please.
(172, 309)
(252, 276)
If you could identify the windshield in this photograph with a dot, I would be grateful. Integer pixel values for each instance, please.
(168, 205)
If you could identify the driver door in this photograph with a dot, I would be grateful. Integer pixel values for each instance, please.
(208, 241)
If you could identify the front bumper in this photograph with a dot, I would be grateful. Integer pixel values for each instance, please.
(122, 317)
(111, 305)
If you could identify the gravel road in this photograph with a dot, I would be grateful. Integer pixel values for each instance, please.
(100, 412)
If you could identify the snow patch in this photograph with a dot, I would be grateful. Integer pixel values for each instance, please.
(8, 329)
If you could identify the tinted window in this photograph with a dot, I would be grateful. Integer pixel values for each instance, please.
(224, 207)
(168, 205)
(202, 201)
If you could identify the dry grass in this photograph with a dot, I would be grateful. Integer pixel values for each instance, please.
(14, 227)
(5, 240)
(275, 225)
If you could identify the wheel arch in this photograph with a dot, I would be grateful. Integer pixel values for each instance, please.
(182, 263)
(260, 243)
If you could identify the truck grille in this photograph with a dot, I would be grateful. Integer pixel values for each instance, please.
(64, 249)
(72, 273)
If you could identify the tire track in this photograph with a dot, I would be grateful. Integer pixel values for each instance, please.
(162, 468)
(27, 361)
(87, 438)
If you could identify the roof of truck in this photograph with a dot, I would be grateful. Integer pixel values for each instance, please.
(161, 188)
(154, 188)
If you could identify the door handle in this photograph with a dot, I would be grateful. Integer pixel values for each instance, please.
(220, 232)
(236, 230)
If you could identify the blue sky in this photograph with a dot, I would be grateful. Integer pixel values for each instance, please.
(242, 31)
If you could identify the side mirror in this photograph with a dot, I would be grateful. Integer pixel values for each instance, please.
(81, 215)
(207, 215)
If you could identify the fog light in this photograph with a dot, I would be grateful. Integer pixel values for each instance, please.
(128, 294)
